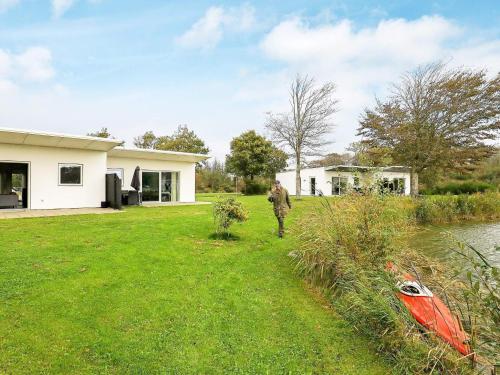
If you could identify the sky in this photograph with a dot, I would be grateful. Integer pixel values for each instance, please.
(74, 66)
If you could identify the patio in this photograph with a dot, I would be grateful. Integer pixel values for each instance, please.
(20, 214)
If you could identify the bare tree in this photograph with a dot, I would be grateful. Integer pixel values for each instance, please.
(303, 130)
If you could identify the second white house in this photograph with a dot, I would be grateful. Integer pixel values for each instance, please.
(339, 179)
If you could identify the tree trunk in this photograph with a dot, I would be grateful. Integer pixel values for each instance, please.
(298, 184)
(413, 183)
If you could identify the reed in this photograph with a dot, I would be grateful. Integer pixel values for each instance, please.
(454, 208)
(344, 247)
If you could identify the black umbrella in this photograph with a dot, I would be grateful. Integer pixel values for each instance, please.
(136, 179)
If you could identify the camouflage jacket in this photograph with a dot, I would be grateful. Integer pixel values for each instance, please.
(281, 201)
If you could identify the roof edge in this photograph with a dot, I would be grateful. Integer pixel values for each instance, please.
(62, 135)
(125, 152)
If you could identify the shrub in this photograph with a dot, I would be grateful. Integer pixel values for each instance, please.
(255, 188)
(469, 187)
(227, 211)
(450, 208)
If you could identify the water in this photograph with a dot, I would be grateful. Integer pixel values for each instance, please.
(434, 241)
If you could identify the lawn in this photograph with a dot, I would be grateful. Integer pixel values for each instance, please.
(148, 290)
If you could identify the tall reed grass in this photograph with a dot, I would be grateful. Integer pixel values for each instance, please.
(344, 247)
(454, 208)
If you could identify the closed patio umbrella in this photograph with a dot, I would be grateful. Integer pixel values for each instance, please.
(136, 184)
(136, 179)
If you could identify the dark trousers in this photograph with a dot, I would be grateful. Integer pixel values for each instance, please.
(281, 225)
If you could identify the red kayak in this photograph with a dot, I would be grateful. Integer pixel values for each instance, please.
(432, 313)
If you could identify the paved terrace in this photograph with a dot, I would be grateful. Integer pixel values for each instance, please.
(19, 214)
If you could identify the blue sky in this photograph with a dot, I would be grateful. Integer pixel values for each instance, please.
(76, 65)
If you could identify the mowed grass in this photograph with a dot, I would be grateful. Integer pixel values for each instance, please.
(148, 290)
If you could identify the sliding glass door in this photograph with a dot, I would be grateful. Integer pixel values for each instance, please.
(158, 186)
(169, 186)
(150, 186)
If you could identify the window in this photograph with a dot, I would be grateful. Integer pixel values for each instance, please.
(399, 185)
(70, 174)
(339, 185)
(313, 185)
(117, 171)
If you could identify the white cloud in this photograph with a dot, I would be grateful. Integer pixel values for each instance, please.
(59, 7)
(5, 63)
(208, 31)
(36, 64)
(364, 61)
(7, 4)
(32, 65)
(392, 40)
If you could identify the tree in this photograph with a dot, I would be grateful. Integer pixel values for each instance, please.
(212, 177)
(371, 157)
(103, 133)
(147, 140)
(332, 159)
(304, 129)
(277, 162)
(183, 140)
(435, 119)
(250, 155)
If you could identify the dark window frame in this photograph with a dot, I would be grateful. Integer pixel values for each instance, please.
(60, 165)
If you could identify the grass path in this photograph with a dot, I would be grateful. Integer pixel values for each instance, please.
(148, 291)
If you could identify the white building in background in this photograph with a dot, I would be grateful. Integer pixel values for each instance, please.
(338, 179)
(41, 170)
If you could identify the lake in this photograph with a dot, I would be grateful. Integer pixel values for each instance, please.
(433, 241)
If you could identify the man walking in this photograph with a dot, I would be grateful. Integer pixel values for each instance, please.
(281, 203)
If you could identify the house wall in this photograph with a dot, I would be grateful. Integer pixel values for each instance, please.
(287, 180)
(186, 172)
(324, 178)
(369, 178)
(43, 175)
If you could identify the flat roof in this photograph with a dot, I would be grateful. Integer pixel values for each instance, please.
(139, 153)
(360, 168)
(45, 139)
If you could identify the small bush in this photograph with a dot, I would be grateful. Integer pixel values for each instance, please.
(227, 211)
(255, 188)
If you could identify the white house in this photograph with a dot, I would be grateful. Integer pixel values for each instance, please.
(338, 179)
(41, 170)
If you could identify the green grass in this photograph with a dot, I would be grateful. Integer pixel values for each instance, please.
(147, 291)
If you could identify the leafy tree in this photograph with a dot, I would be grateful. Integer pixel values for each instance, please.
(436, 119)
(276, 163)
(147, 140)
(369, 156)
(183, 140)
(103, 133)
(250, 155)
(304, 128)
(332, 159)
